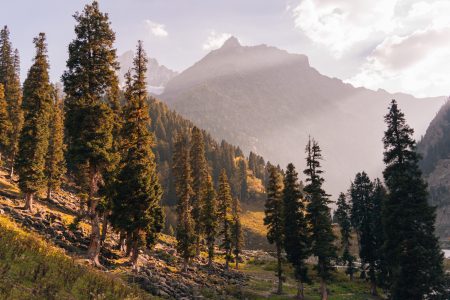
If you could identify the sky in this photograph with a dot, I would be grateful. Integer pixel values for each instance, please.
(397, 45)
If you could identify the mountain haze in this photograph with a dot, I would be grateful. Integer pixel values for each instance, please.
(269, 101)
(157, 75)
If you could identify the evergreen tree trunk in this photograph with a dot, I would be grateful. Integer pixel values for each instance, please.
(122, 241)
(104, 228)
(300, 290)
(128, 245)
(29, 202)
(279, 271)
(11, 172)
(49, 193)
(94, 246)
(210, 261)
(197, 245)
(185, 264)
(236, 261)
(227, 260)
(373, 288)
(134, 253)
(210, 253)
(323, 289)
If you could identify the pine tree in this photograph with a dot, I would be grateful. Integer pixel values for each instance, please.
(237, 236)
(343, 219)
(379, 196)
(6, 56)
(364, 221)
(210, 218)
(5, 125)
(224, 200)
(136, 203)
(318, 214)
(412, 251)
(274, 218)
(243, 194)
(55, 163)
(296, 232)
(9, 77)
(89, 122)
(199, 167)
(183, 183)
(37, 105)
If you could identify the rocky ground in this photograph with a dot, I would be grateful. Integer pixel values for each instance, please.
(159, 272)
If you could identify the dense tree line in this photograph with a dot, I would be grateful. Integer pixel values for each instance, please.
(120, 147)
(299, 221)
(393, 223)
(219, 156)
(128, 155)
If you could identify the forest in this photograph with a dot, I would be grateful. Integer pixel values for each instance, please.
(130, 160)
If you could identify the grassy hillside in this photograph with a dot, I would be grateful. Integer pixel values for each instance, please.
(262, 284)
(31, 268)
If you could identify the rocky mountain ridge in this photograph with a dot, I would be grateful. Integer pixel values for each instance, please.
(269, 101)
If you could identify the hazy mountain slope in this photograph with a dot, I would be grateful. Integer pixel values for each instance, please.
(268, 100)
(157, 75)
(435, 148)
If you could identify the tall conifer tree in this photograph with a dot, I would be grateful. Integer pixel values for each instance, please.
(343, 214)
(243, 183)
(9, 77)
(5, 125)
(183, 183)
(224, 200)
(236, 232)
(55, 167)
(199, 167)
(411, 248)
(364, 220)
(37, 105)
(319, 217)
(274, 219)
(379, 196)
(210, 218)
(136, 204)
(88, 81)
(296, 232)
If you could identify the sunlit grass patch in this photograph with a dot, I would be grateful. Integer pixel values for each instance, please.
(33, 269)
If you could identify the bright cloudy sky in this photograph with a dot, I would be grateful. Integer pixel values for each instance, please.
(397, 45)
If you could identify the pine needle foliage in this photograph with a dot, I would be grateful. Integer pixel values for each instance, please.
(412, 251)
(183, 183)
(224, 200)
(296, 231)
(34, 139)
(136, 202)
(274, 219)
(319, 217)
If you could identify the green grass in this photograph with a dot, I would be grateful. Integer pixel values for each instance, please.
(262, 285)
(30, 268)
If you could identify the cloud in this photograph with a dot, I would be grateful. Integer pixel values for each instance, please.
(340, 24)
(415, 58)
(417, 64)
(215, 40)
(407, 42)
(156, 29)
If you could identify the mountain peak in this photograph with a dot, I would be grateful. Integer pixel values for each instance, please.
(232, 42)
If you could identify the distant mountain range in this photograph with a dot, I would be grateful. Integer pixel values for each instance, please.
(435, 148)
(269, 101)
(157, 75)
